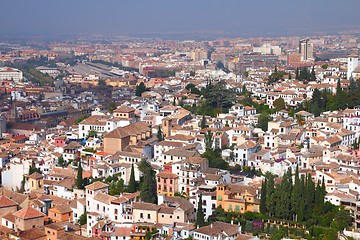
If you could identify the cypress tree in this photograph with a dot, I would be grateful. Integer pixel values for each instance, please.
(148, 191)
(278, 205)
(339, 97)
(159, 134)
(203, 122)
(132, 183)
(301, 212)
(285, 190)
(312, 74)
(301, 209)
(140, 89)
(270, 199)
(79, 179)
(310, 195)
(200, 220)
(296, 194)
(318, 194)
(297, 74)
(263, 197)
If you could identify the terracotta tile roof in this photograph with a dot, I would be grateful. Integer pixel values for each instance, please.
(95, 120)
(17, 197)
(166, 209)
(132, 129)
(122, 231)
(97, 185)
(72, 236)
(10, 217)
(55, 226)
(125, 197)
(212, 177)
(34, 233)
(124, 109)
(169, 143)
(146, 206)
(244, 237)
(6, 202)
(182, 153)
(28, 213)
(36, 175)
(219, 228)
(196, 160)
(62, 208)
(183, 203)
(180, 137)
(104, 198)
(167, 175)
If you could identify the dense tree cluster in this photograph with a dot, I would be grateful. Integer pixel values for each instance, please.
(326, 101)
(213, 155)
(304, 74)
(291, 201)
(192, 88)
(218, 96)
(302, 201)
(263, 119)
(140, 89)
(276, 76)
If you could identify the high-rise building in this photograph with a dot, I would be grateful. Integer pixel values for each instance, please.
(199, 54)
(306, 49)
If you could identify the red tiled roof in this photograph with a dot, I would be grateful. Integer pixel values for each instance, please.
(6, 202)
(28, 213)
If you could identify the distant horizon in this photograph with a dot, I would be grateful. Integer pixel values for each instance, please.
(142, 17)
(177, 36)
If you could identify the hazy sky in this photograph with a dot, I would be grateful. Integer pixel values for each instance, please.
(22, 17)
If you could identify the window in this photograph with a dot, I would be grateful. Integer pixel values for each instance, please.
(141, 215)
(219, 198)
(148, 216)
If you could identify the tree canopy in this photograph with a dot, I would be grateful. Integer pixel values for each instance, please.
(140, 89)
(148, 190)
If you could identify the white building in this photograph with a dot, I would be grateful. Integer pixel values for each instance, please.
(7, 73)
(353, 63)
(12, 175)
(268, 49)
(208, 195)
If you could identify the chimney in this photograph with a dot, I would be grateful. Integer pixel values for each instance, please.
(232, 222)
(47, 203)
(239, 227)
(211, 225)
(161, 199)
